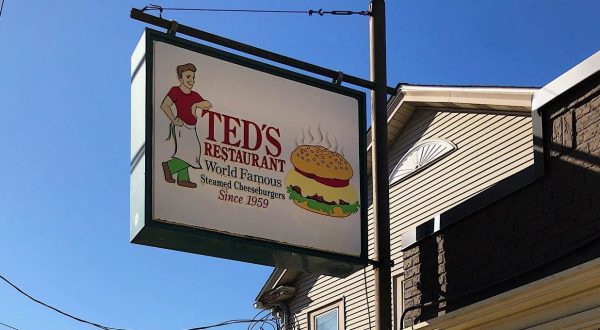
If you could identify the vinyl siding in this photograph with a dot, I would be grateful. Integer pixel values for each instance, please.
(490, 148)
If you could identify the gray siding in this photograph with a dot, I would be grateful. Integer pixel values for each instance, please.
(491, 146)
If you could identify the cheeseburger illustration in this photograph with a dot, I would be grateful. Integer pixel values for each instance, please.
(320, 182)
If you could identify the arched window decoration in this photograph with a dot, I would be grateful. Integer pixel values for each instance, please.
(420, 156)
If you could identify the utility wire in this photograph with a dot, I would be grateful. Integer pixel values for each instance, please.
(230, 322)
(367, 296)
(251, 325)
(1, 7)
(264, 320)
(311, 12)
(56, 309)
(278, 321)
(8, 326)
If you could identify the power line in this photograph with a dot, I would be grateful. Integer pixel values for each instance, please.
(367, 297)
(56, 309)
(8, 326)
(311, 12)
(250, 325)
(230, 322)
(263, 320)
(1, 7)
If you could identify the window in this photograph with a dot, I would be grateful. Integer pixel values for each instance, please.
(327, 317)
(421, 155)
(327, 321)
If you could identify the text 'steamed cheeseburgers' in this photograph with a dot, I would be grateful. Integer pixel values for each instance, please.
(320, 182)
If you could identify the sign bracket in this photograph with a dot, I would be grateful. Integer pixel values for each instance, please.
(172, 30)
(140, 15)
(338, 80)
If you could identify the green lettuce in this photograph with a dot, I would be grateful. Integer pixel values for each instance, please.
(318, 206)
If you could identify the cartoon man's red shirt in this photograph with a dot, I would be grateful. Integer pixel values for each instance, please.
(183, 103)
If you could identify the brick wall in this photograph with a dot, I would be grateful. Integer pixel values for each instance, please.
(546, 227)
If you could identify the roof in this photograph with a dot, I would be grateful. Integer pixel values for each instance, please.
(278, 278)
(481, 98)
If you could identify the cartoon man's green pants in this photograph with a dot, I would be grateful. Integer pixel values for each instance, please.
(180, 167)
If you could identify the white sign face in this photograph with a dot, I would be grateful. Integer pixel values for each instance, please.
(249, 153)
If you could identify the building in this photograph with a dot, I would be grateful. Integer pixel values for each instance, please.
(494, 210)
(446, 144)
(522, 254)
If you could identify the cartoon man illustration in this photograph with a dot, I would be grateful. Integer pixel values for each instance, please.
(183, 126)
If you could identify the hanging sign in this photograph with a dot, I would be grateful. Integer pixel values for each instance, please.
(238, 159)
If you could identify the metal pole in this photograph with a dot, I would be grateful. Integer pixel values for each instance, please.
(248, 49)
(383, 273)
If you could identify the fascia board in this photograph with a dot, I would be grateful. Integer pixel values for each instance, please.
(512, 97)
(567, 80)
(279, 277)
(271, 282)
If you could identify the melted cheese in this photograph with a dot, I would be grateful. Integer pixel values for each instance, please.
(310, 187)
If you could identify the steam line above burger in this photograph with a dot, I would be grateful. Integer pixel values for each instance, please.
(320, 182)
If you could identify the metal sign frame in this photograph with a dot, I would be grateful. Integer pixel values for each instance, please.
(229, 246)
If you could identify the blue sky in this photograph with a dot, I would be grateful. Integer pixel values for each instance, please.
(64, 120)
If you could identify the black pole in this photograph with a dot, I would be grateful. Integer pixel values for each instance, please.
(248, 49)
(383, 273)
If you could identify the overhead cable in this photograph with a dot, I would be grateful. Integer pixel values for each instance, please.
(367, 297)
(264, 320)
(56, 309)
(8, 326)
(251, 325)
(230, 322)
